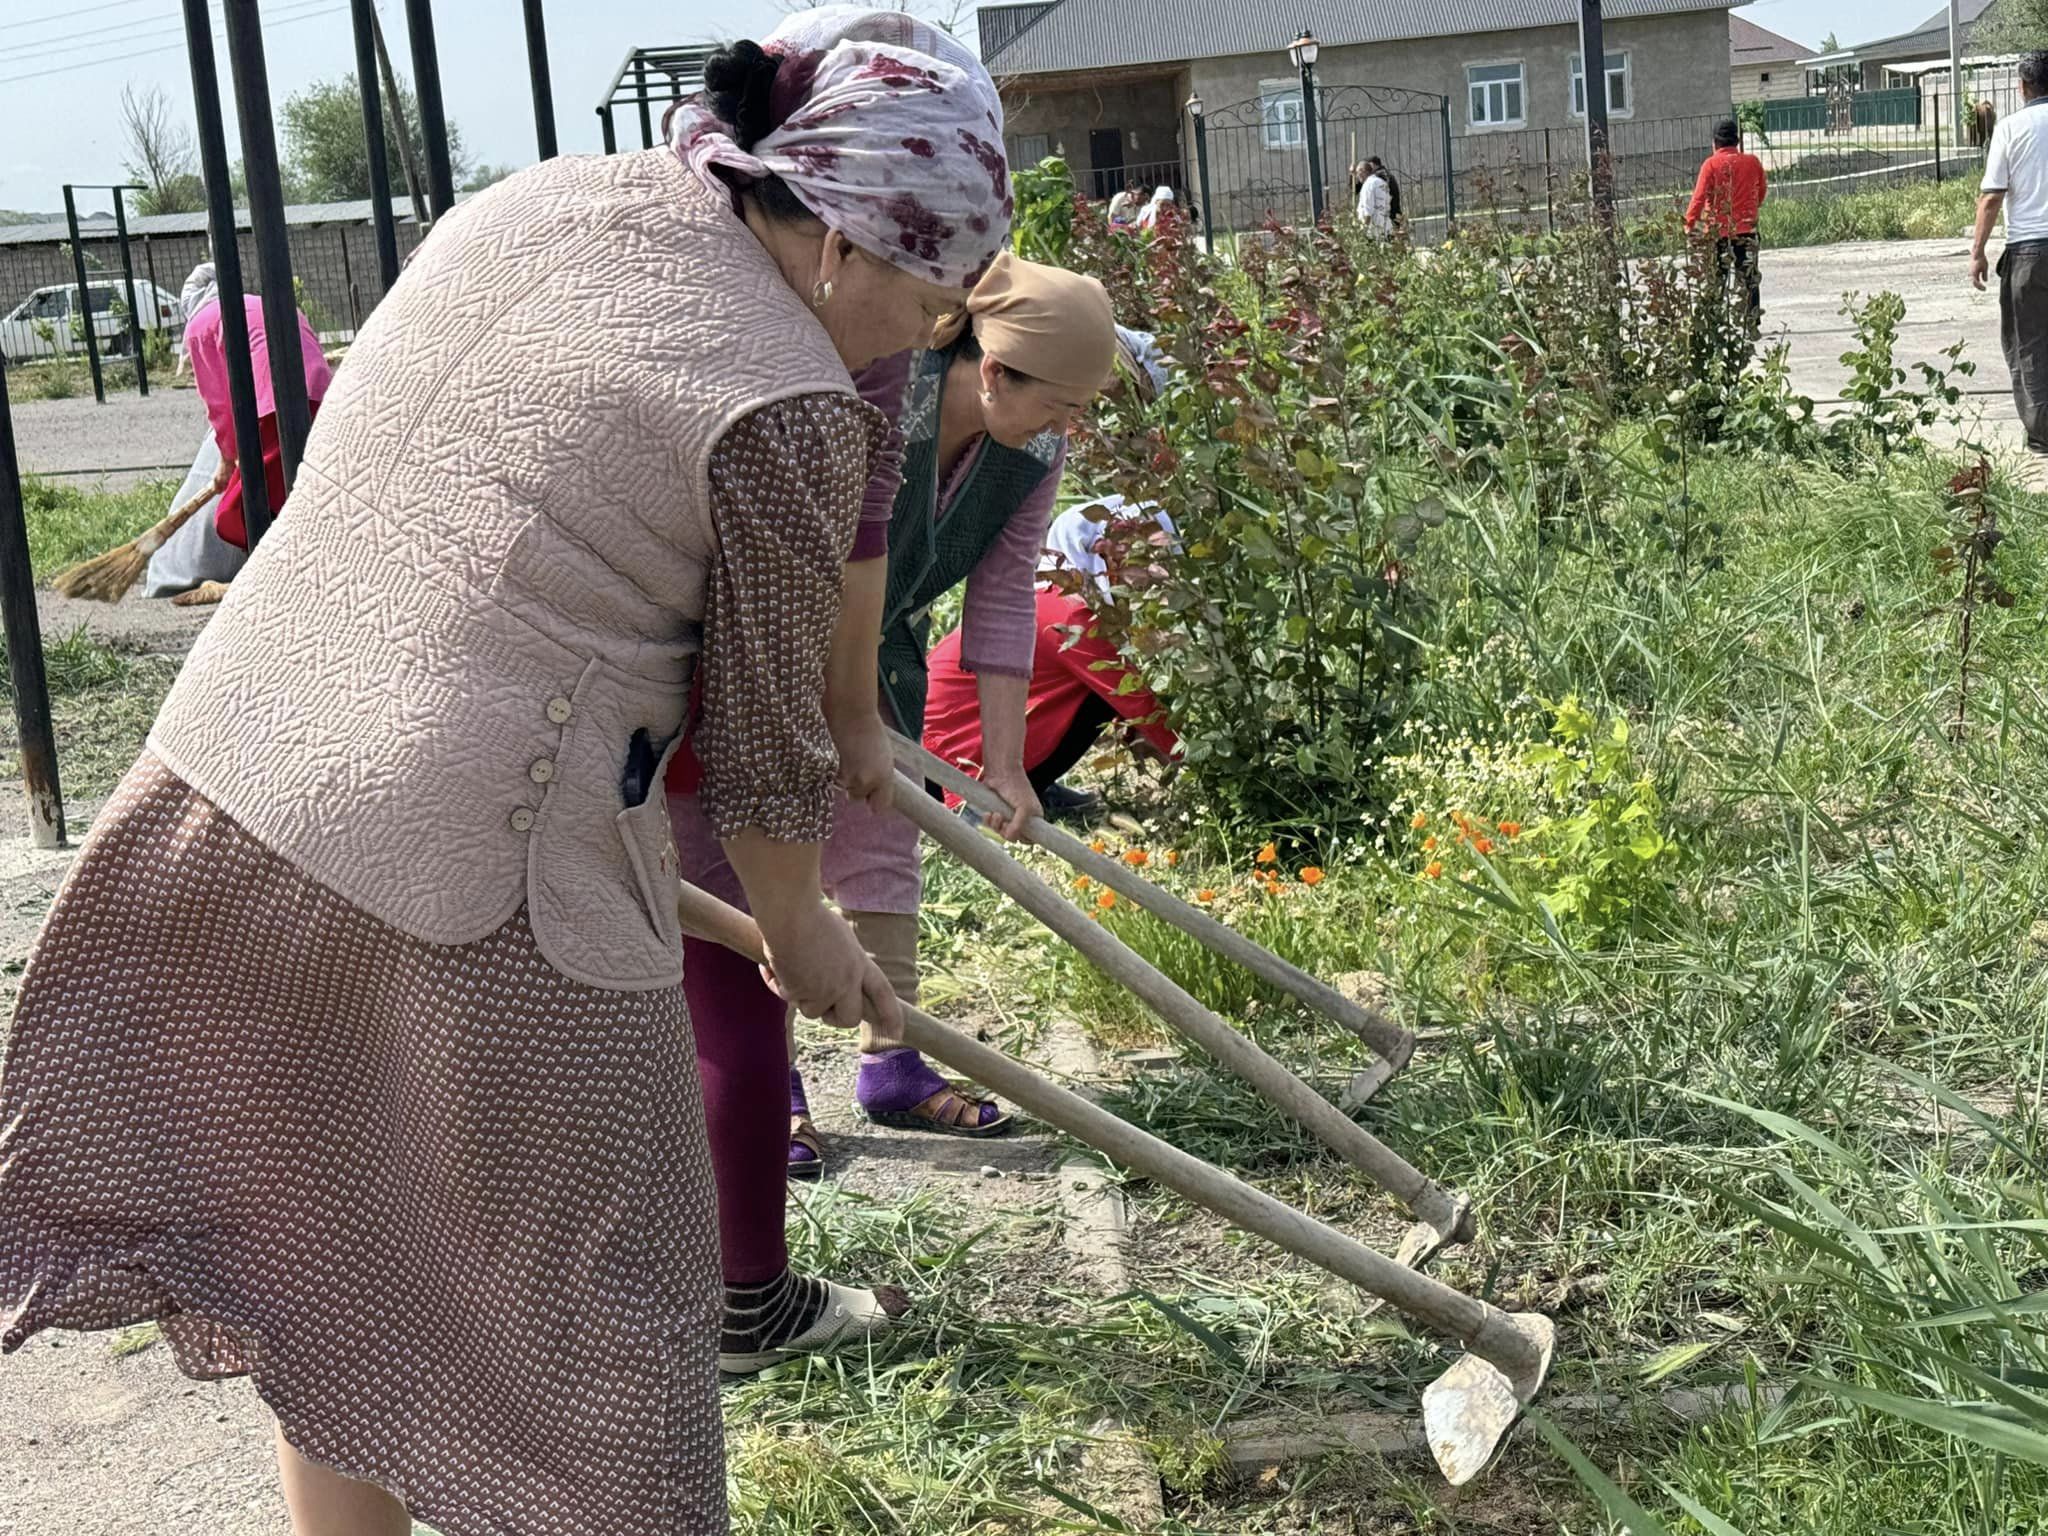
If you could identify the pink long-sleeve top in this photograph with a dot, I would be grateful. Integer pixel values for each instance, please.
(206, 344)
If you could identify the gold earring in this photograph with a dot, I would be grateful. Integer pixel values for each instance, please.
(821, 293)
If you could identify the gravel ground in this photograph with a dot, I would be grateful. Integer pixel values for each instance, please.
(128, 433)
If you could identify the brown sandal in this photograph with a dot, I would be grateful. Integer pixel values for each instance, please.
(804, 1135)
(941, 1114)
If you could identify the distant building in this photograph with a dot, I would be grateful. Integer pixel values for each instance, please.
(1762, 65)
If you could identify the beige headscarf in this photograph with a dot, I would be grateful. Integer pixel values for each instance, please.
(1045, 322)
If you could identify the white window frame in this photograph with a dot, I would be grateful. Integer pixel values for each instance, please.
(1574, 102)
(1521, 82)
(1274, 97)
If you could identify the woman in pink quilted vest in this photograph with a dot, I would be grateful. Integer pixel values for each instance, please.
(354, 1050)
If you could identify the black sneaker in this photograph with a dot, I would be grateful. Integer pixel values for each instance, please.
(1064, 804)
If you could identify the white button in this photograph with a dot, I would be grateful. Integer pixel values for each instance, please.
(892, 679)
(559, 711)
(542, 771)
(522, 820)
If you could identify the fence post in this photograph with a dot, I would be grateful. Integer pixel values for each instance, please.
(273, 247)
(1937, 139)
(128, 283)
(348, 281)
(611, 135)
(149, 271)
(1450, 172)
(1313, 123)
(227, 266)
(25, 648)
(1593, 72)
(640, 90)
(92, 341)
(1202, 172)
(426, 85)
(1549, 187)
(543, 83)
(374, 141)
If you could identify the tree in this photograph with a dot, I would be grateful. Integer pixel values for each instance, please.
(1829, 45)
(2010, 26)
(324, 150)
(486, 175)
(160, 154)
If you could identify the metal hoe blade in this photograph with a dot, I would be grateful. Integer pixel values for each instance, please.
(1469, 1409)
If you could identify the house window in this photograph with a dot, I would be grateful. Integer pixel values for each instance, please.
(1280, 109)
(1496, 94)
(1031, 148)
(1764, 78)
(1620, 93)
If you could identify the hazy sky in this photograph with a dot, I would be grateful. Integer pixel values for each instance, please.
(63, 63)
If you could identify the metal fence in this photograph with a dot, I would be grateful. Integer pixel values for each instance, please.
(1252, 165)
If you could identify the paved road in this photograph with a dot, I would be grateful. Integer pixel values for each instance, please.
(1803, 292)
(127, 433)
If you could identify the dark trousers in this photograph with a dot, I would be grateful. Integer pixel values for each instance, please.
(1090, 720)
(1737, 255)
(2023, 329)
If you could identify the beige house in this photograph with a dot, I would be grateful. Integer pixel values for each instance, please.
(1451, 93)
(1762, 66)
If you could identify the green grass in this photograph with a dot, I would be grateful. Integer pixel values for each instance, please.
(1921, 211)
(67, 523)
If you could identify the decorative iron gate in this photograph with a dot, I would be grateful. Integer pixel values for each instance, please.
(1253, 164)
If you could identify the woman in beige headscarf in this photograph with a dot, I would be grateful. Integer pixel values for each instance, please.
(984, 419)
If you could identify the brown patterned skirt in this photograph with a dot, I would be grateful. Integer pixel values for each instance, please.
(450, 1210)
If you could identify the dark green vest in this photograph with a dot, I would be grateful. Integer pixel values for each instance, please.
(930, 555)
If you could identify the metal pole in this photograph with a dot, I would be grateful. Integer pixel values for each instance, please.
(611, 136)
(408, 155)
(92, 341)
(348, 281)
(25, 648)
(128, 282)
(543, 87)
(363, 17)
(1549, 187)
(1955, 64)
(1202, 170)
(156, 306)
(1311, 120)
(227, 268)
(273, 246)
(1450, 171)
(426, 85)
(640, 90)
(1937, 140)
(1593, 66)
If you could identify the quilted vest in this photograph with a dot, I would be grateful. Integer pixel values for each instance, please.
(422, 687)
(929, 555)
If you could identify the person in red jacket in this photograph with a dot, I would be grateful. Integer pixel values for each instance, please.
(1730, 191)
(1079, 683)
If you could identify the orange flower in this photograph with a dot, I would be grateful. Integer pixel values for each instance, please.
(1272, 887)
(1270, 854)
(1484, 845)
(1205, 896)
(1418, 821)
(1311, 876)
(1137, 858)
(1435, 870)
(1511, 830)
(1099, 846)
(1172, 857)
(1429, 843)
(1106, 900)
(1082, 882)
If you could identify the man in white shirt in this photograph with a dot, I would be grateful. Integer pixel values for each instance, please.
(2016, 179)
(1376, 201)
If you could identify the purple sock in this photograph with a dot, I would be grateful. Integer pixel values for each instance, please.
(799, 1105)
(894, 1081)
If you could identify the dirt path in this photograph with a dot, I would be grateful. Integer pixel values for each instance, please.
(129, 434)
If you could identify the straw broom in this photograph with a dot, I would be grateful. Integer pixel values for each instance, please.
(106, 578)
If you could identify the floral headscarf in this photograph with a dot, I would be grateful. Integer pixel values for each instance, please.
(890, 132)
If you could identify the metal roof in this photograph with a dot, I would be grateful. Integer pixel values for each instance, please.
(101, 227)
(1110, 34)
(1749, 43)
(1927, 39)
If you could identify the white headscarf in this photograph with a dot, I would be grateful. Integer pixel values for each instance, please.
(1142, 349)
(1070, 541)
(890, 131)
(199, 291)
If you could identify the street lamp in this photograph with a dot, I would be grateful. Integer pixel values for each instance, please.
(1194, 107)
(1304, 51)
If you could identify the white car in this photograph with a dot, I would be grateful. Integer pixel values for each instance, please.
(43, 325)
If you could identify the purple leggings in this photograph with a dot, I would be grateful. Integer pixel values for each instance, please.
(743, 1060)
